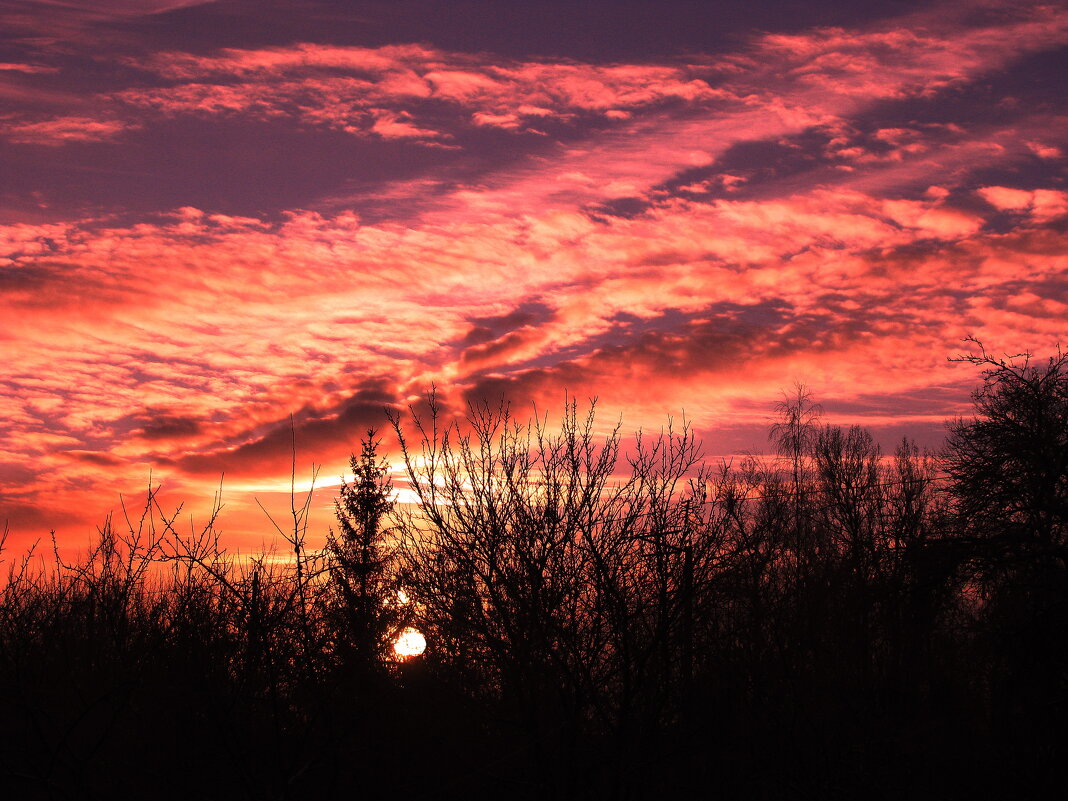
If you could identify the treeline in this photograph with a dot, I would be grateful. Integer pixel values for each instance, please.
(605, 618)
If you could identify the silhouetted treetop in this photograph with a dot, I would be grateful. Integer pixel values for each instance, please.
(361, 558)
(1009, 463)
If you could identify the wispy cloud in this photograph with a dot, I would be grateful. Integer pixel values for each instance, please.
(62, 130)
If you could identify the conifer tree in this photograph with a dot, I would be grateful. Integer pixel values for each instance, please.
(362, 558)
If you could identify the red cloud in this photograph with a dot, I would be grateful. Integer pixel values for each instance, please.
(396, 91)
(616, 263)
(61, 130)
(1043, 205)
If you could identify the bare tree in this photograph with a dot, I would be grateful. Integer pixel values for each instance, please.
(563, 590)
(1009, 463)
(1008, 467)
(794, 434)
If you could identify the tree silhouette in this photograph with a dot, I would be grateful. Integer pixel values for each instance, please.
(362, 559)
(1009, 463)
(560, 593)
(794, 434)
(1009, 470)
(606, 617)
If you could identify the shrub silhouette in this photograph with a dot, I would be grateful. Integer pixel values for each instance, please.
(607, 617)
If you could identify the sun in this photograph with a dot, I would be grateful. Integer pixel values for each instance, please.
(409, 643)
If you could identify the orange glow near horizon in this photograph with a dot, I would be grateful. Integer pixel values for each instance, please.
(213, 237)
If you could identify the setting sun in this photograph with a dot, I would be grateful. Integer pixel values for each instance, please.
(410, 643)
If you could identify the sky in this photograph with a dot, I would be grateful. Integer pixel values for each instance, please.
(228, 225)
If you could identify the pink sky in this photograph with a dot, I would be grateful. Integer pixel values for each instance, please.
(202, 234)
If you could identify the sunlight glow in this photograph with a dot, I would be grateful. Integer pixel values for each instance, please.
(410, 643)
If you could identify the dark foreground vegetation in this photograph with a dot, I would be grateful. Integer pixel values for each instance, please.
(828, 623)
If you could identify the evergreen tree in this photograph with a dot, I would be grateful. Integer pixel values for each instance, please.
(362, 558)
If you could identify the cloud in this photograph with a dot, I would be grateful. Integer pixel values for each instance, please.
(402, 91)
(330, 435)
(924, 54)
(216, 327)
(28, 69)
(64, 130)
(1043, 205)
(419, 93)
(169, 427)
(1044, 151)
(686, 235)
